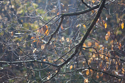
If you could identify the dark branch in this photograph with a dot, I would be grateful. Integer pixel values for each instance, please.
(27, 61)
(81, 12)
(85, 4)
(57, 29)
(87, 33)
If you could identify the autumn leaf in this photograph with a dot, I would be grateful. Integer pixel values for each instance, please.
(119, 46)
(87, 72)
(106, 37)
(83, 63)
(123, 70)
(89, 44)
(78, 25)
(32, 37)
(91, 71)
(44, 60)
(122, 25)
(84, 26)
(105, 25)
(84, 45)
(63, 39)
(48, 77)
(34, 40)
(12, 33)
(67, 39)
(61, 27)
(112, 47)
(42, 46)
(107, 64)
(108, 33)
(46, 26)
(96, 44)
(93, 56)
(58, 13)
(100, 65)
(92, 11)
(71, 67)
(111, 42)
(93, 1)
(103, 48)
(116, 67)
(86, 80)
(101, 74)
(47, 32)
(97, 76)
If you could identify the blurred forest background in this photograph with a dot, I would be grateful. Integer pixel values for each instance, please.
(62, 41)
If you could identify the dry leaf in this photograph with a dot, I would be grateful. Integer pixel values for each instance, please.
(87, 72)
(71, 67)
(122, 25)
(105, 25)
(84, 26)
(42, 46)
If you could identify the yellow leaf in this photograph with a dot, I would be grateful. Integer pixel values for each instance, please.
(107, 59)
(89, 61)
(93, 1)
(84, 45)
(78, 25)
(105, 25)
(111, 42)
(96, 44)
(34, 40)
(46, 26)
(80, 53)
(119, 46)
(83, 63)
(36, 26)
(108, 33)
(93, 55)
(56, 71)
(44, 60)
(47, 32)
(87, 72)
(97, 76)
(84, 26)
(91, 71)
(71, 67)
(48, 77)
(86, 80)
(122, 25)
(102, 56)
(123, 70)
(89, 44)
(42, 46)
(103, 48)
(101, 74)
(92, 11)
(106, 37)
(67, 39)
